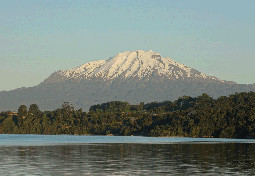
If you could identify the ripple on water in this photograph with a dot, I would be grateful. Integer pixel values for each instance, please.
(233, 158)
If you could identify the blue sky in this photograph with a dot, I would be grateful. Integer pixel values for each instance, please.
(39, 37)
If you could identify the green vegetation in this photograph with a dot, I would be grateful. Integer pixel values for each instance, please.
(202, 116)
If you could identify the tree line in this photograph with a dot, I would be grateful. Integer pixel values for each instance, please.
(202, 116)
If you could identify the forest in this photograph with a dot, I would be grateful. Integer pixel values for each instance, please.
(230, 116)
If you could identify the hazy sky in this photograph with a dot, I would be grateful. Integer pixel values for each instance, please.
(216, 37)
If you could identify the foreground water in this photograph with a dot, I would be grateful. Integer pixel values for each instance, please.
(110, 155)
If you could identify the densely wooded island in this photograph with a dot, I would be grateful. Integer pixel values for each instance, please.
(202, 116)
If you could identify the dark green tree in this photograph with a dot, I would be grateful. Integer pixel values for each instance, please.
(34, 109)
(22, 111)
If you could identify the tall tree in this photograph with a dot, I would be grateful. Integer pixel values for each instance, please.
(34, 109)
(22, 111)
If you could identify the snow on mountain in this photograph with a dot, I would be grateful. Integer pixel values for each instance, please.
(132, 64)
(132, 76)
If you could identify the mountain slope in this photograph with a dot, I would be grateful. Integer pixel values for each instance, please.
(133, 76)
(132, 64)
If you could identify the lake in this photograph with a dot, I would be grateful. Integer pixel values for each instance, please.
(117, 155)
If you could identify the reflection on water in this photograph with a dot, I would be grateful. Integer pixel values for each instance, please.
(129, 159)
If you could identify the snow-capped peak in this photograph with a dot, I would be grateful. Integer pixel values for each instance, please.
(134, 64)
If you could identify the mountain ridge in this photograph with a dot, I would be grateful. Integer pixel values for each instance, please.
(132, 64)
(132, 76)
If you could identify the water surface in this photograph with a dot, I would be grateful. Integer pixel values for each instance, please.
(110, 155)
